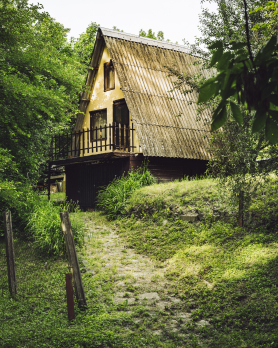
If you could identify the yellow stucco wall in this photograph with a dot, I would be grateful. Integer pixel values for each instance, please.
(104, 100)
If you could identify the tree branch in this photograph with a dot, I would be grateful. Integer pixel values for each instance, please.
(247, 31)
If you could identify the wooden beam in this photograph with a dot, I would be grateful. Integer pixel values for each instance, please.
(72, 257)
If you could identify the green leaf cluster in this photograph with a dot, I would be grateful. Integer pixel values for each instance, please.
(252, 82)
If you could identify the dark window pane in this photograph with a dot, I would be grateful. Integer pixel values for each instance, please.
(121, 115)
(98, 119)
(109, 76)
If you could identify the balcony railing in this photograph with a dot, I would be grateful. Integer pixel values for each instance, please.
(109, 138)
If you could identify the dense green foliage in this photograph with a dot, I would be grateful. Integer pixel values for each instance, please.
(40, 77)
(113, 198)
(43, 226)
(246, 64)
(84, 45)
(252, 81)
(41, 74)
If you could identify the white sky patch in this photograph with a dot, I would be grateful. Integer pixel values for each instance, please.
(177, 19)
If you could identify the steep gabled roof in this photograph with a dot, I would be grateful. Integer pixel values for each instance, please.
(141, 64)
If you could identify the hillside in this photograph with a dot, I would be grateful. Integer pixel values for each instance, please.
(230, 272)
(153, 279)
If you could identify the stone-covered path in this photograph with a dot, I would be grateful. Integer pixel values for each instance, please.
(140, 288)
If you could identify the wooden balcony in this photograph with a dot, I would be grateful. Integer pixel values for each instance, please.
(99, 140)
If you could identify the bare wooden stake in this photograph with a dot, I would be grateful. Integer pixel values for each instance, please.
(240, 209)
(70, 301)
(72, 257)
(10, 252)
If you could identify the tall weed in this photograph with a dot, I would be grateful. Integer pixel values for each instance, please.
(113, 198)
(44, 227)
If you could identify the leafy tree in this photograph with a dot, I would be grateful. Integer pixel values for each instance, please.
(268, 26)
(151, 35)
(117, 29)
(238, 152)
(40, 76)
(246, 74)
(84, 45)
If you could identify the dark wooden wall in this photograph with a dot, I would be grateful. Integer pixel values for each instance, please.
(85, 179)
(168, 169)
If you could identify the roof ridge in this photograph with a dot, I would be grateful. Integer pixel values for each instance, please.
(144, 40)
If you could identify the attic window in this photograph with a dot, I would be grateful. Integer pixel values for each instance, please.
(109, 76)
(98, 119)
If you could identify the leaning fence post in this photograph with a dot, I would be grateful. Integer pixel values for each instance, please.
(70, 302)
(240, 209)
(72, 257)
(10, 252)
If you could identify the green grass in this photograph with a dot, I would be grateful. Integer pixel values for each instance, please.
(37, 317)
(228, 274)
(231, 273)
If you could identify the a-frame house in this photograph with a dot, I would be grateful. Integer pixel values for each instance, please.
(127, 114)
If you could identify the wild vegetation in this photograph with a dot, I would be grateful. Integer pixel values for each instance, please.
(224, 274)
(229, 272)
(113, 198)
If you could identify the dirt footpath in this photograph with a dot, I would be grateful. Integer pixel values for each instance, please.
(139, 287)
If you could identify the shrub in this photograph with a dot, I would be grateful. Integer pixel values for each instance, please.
(44, 227)
(34, 218)
(113, 198)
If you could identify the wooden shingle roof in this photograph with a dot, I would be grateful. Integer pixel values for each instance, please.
(141, 64)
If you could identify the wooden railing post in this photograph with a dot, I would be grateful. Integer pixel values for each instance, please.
(72, 257)
(120, 136)
(10, 252)
(83, 141)
(100, 137)
(132, 137)
(88, 134)
(128, 137)
(71, 140)
(114, 135)
(105, 136)
(92, 138)
(124, 137)
(96, 140)
(110, 136)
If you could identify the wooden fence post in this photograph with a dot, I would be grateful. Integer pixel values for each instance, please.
(10, 252)
(240, 209)
(70, 302)
(72, 257)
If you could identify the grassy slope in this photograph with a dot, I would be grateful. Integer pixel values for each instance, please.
(230, 272)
